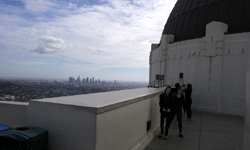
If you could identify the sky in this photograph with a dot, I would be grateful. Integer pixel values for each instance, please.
(105, 39)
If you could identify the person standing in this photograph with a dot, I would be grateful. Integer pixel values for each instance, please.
(188, 102)
(174, 90)
(177, 108)
(165, 103)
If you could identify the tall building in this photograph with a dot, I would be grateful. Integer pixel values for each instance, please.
(209, 42)
(78, 80)
(87, 80)
(83, 80)
(93, 79)
(71, 80)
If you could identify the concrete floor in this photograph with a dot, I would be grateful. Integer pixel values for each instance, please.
(206, 131)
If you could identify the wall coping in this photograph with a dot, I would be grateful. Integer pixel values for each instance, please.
(104, 101)
(14, 103)
(228, 38)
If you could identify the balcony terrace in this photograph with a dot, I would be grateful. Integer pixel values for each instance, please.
(119, 120)
(207, 131)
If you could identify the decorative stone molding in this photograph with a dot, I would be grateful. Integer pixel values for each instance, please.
(183, 54)
(236, 47)
(179, 55)
(225, 52)
(168, 57)
(195, 54)
(165, 40)
(186, 55)
(164, 54)
(236, 52)
(172, 56)
(213, 42)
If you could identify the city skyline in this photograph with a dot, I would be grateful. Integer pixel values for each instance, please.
(66, 79)
(101, 38)
(26, 90)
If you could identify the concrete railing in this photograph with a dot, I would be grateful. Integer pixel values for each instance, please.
(101, 121)
(13, 114)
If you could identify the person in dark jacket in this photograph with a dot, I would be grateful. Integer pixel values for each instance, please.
(177, 108)
(165, 103)
(188, 101)
(174, 90)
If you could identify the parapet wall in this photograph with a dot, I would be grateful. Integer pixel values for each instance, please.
(104, 121)
(124, 127)
(13, 114)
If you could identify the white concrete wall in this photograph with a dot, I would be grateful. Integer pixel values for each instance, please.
(158, 58)
(215, 65)
(69, 126)
(182, 57)
(126, 126)
(155, 63)
(13, 114)
(246, 145)
(103, 121)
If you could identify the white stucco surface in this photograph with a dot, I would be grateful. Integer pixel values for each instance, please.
(123, 128)
(13, 114)
(105, 101)
(69, 126)
(156, 64)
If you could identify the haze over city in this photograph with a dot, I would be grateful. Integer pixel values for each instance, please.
(108, 39)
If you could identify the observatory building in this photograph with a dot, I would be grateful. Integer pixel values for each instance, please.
(209, 42)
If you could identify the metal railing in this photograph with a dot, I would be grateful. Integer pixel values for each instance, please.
(158, 81)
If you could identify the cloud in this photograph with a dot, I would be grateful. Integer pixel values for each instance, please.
(97, 50)
(38, 5)
(115, 34)
(34, 32)
(111, 34)
(50, 44)
(71, 5)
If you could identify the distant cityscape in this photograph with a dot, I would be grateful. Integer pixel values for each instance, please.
(87, 80)
(24, 90)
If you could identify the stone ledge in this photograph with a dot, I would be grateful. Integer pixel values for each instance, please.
(105, 101)
(14, 103)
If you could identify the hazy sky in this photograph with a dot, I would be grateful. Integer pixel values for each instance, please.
(105, 39)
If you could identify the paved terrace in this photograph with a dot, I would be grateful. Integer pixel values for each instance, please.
(207, 131)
